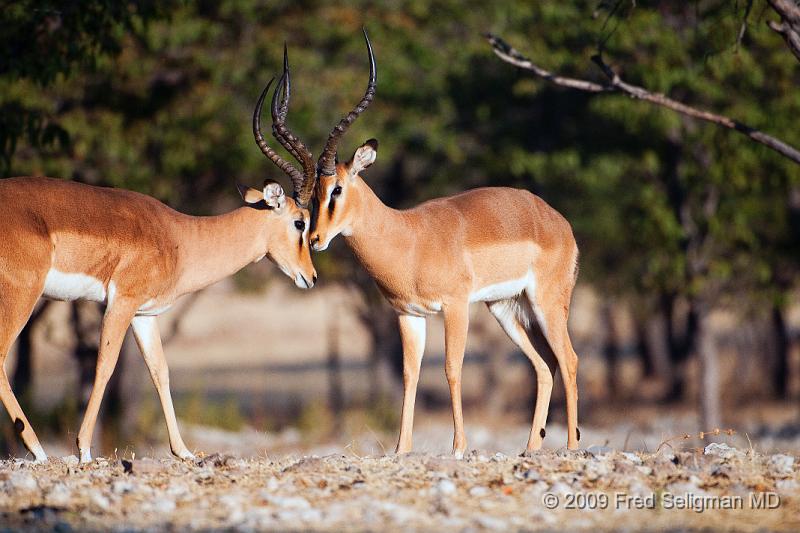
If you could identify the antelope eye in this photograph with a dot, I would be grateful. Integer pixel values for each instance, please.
(300, 225)
(336, 191)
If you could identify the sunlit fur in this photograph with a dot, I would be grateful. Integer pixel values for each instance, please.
(500, 245)
(66, 240)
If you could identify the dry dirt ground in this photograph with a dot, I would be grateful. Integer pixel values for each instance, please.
(593, 489)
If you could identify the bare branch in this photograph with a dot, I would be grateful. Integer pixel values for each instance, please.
(789, 27)
(615, 84)
(508, 54)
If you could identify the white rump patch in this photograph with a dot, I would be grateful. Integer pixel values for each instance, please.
(69, 287)
(504, 290)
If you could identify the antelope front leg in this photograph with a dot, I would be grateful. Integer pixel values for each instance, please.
(412, 334)
(115, 323)
(145, 329)
(456, 324)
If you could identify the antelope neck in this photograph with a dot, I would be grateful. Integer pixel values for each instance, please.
(215, 247)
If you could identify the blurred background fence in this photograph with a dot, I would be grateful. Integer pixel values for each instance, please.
(689, 233)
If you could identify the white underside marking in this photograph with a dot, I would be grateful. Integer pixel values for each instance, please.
(507, 312)
(143, 327)
(417, 324)
(149, 308)
(73, 286)
(503, 290)
(420, 310)
(506, 298)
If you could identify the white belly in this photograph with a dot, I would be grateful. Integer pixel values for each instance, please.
(66, 286)
(503, 290)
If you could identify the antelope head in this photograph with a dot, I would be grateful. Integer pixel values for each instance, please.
(289, 221)
(336, 182)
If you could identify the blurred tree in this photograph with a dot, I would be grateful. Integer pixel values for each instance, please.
(700, 213)
(671, 216)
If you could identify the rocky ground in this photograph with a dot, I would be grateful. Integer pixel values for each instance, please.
(597, 488)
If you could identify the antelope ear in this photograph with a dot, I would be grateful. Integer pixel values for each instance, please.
(249, 194)
(273, 194)
(366, 154)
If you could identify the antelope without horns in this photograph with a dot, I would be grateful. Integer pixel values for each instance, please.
(505, 247)
(67, 241)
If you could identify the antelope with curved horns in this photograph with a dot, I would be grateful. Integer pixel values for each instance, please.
(505, 247)
(67, 241)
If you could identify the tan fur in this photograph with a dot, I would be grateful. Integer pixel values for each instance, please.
(436, 255)
(143, 253)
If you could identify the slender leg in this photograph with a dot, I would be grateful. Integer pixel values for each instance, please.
(145, 329)
(558, 339)
(115, 323)
(412, 334)
(14, 312)
(505, 311)
(456, 324)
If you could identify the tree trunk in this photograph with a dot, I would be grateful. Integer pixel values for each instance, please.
(494, 397)
(22, 380)
(680, 343)
(335, 388)
(654, 337)
(611, 350)
(643, 349)
(780, 370)
(86, 321)
(709, 391)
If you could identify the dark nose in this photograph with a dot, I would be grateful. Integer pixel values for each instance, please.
(314, 278)
(314, 240)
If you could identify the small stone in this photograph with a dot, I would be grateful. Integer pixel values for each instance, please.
(561, 488)
(446, 487)
(596, 469)
(531, 475)
(479, 491)
(721, 450)
(499, 457)
(786, 485)
(162, 505)
(59, 495)
(289, 502)
(99, 502)
(599, 451)
(632, 457)
(22, 481)
(272, 484)
(490, 522)
(310, 515)
(121, 487)
(781, 464)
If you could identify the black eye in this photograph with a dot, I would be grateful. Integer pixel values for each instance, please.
(336, 191)
(300, 225)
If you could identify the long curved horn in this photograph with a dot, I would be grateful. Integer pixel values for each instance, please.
(280, 108)
(327, 161)
(289, 169)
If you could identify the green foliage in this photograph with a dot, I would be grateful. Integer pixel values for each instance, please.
(158, 97)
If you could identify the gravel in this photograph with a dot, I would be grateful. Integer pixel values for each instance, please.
(419, 491)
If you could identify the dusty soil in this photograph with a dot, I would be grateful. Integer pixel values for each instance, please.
(606, 489)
